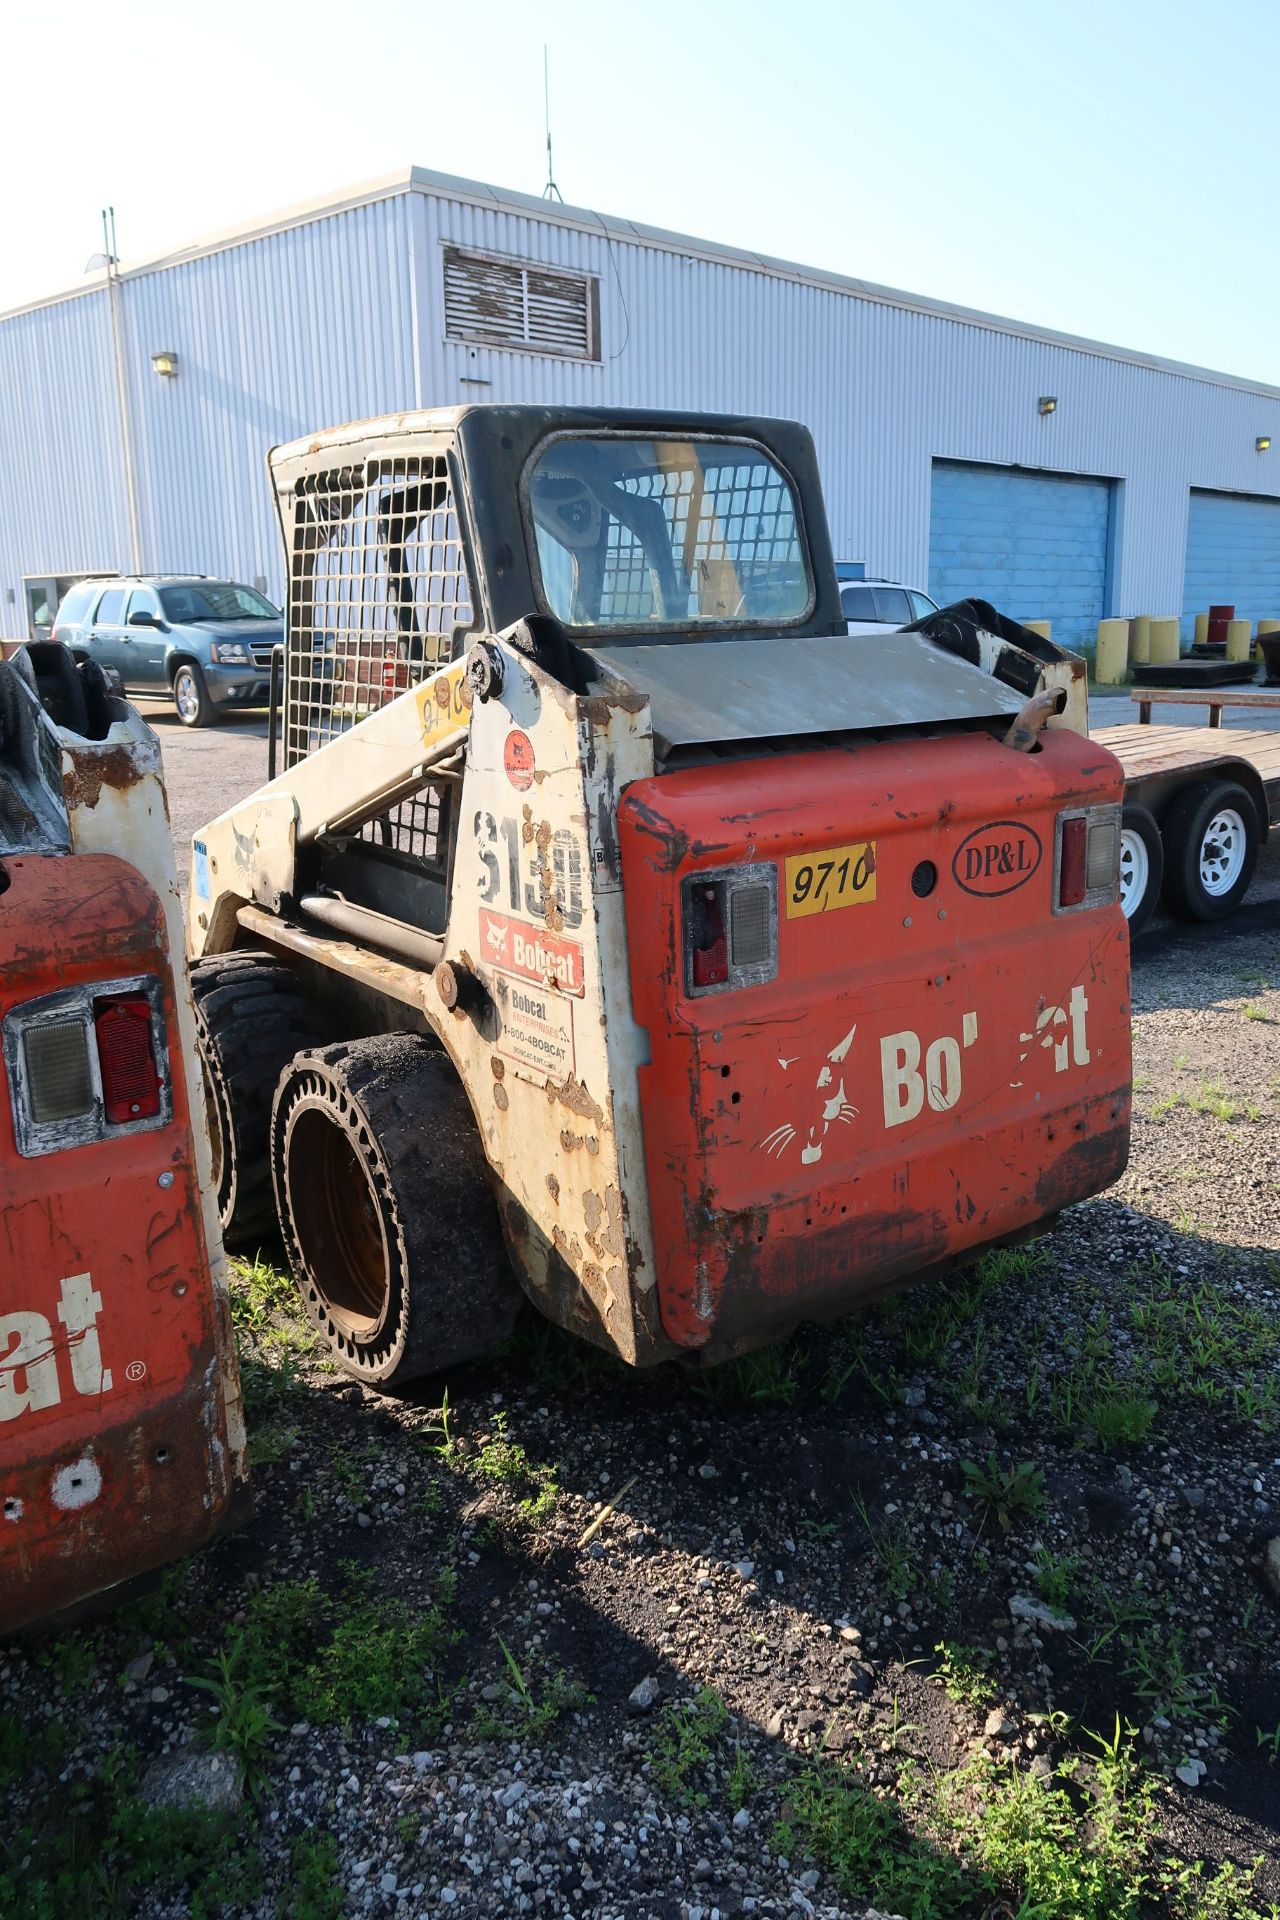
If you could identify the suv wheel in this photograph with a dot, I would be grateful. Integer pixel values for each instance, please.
(191, 697)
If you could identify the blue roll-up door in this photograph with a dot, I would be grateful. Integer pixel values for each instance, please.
(1233, 557)
(1034, 544)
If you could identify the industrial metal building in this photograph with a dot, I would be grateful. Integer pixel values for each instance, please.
(1061, 478)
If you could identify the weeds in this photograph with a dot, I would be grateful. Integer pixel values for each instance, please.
(1008, 1494)
(505, 1461)
(964, 1676)
(244, 1723)
(533, 1702)
(685, 1739)
(894, 1546)
(314, 1891)
(1055, 1576)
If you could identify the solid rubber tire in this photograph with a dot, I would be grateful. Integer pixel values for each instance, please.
(450, 1294)
(251, 1018)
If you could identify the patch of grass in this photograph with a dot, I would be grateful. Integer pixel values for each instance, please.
(894, 1544)
(1007, 1494)
(244, 1721)
(1118, 1416)
(964, 1676)
(380, 1657)
(1252, 1012)
(742, 1783)
(532, 1484)
(768, 1377)
(70, 1659)
(1082, 1843)
(314, 1891)
(1056, 1576)
(684, 1740)
(534, 1701)
(96, 1849)
(1157, 1668)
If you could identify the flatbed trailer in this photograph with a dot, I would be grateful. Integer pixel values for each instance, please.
(1199, 803)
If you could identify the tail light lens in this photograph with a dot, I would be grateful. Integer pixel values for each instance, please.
(59, 1077)
(1088, 859)
(84, 1062)
(708, 939)
(126, 1059)
(730, 928)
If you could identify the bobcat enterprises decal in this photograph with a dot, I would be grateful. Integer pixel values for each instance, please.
(998, 858)
(513, 946)
(537, 1028)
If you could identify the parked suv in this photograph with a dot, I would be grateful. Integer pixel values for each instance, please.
(207, 641)
(876, 606)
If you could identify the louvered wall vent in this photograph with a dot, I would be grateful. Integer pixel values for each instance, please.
(506, 304)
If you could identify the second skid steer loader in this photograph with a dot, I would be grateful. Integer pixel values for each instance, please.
(615, 911)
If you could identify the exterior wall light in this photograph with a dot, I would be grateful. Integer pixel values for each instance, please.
(1263, 443)
(1048, 403)
(165, 364)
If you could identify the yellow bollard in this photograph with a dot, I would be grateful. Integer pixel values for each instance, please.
(1113, 652)
(1239, 639)
(1042, 627)
(1202, 630)
(1164, 642)
(1268, 626)
(1140, 638)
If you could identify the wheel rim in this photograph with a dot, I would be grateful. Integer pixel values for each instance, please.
(337, 1221)
(185, 696)
(1223, 847)
(1135, 871)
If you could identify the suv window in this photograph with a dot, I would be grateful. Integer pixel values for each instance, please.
(76, 603)
(214, 600)
(110, 608)
(143, 600)
(858, 603)
(892, 606)
(636, 532)
(921, 605)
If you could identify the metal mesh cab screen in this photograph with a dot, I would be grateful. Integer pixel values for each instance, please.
(378, 592)
(733, 532)
(417, 829)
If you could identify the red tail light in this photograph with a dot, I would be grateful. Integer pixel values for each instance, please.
(708, 940)
(1071, 866)
(126, 1059)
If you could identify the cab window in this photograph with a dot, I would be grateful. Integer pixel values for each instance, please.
(642, 533)
(143, 600)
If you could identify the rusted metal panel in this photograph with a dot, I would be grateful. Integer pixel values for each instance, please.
(933, 1067)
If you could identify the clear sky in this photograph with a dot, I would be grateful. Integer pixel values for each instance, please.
(1107, 169)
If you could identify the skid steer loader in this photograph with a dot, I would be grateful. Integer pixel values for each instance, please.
(121, 1432)
(615, 911)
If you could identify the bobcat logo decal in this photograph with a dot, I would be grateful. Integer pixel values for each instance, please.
(829, 1101)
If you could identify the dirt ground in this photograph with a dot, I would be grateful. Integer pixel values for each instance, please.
(958, 1609)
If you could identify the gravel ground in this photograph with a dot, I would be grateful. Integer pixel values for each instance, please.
(823, 1633)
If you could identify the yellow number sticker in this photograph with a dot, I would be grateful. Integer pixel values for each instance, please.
(836, 877)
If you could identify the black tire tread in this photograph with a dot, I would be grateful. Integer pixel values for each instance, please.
(461, 1295)
(1183, 890)
(252, 1018)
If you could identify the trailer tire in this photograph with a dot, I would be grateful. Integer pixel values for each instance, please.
(251, 1018)
(1210, 850)
(387, 1209)
(1141, 866)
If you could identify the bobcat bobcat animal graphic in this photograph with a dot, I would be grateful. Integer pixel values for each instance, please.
(827, 1108)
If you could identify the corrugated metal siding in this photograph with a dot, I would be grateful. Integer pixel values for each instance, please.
(342, 316)
(1028, 542)
(1233, 557)
(61, 493)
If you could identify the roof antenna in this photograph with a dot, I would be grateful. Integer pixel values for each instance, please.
(551, 191)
